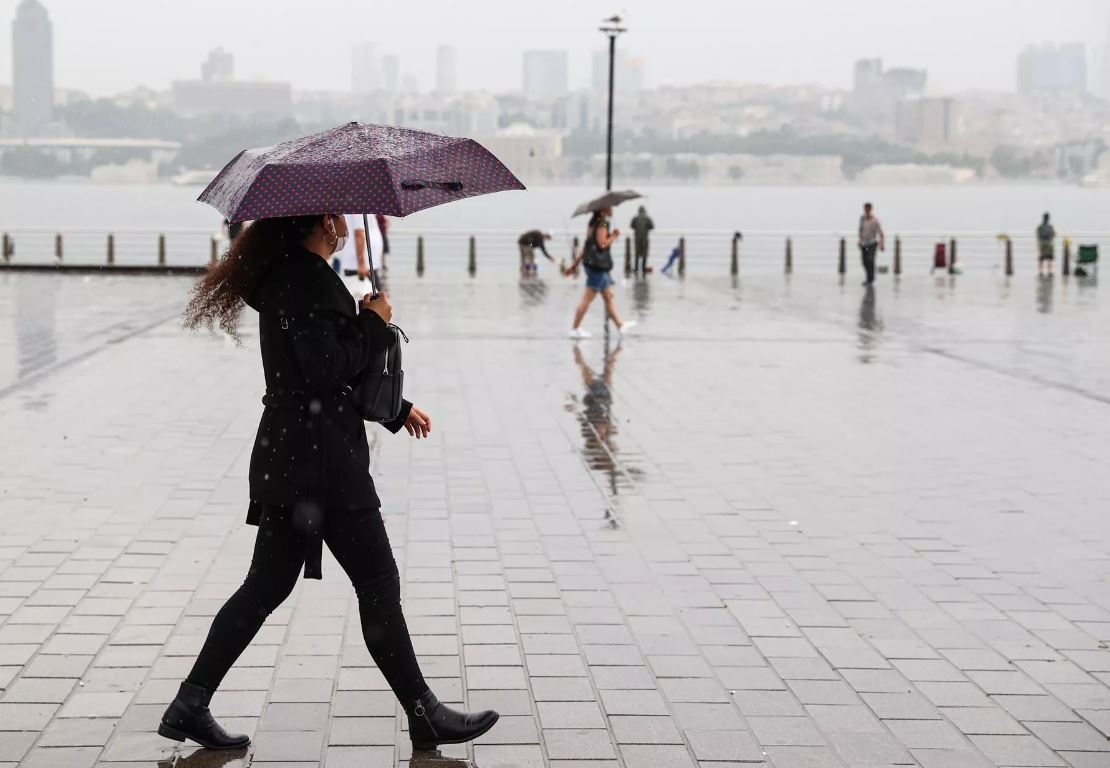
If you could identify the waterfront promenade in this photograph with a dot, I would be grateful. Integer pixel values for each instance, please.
(789, 523)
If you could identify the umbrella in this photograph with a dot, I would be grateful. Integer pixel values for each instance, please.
(356, 168)
(608, 200)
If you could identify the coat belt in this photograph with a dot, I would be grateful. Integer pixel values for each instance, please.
(309, 513)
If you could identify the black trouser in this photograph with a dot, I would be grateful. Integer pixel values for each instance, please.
(867, 253)
(359, 542)
(641, 260)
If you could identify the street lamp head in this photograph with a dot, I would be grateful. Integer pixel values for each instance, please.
(612, 26)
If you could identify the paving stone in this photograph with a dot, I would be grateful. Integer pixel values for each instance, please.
(1016, 750)
(907, 608)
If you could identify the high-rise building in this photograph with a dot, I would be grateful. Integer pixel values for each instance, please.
(219, 67)
(447, 74)
(876, 92)
(366, 75)
(1052, 69)
(32, 67)
(926, 121)
(391, 73)
(545, 75)
(1104, 79)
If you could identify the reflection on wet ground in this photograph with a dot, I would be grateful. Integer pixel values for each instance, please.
(870, 326)
(599, 428)
(1044, 294)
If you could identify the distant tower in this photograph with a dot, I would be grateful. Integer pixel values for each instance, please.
(1104, 78)
(391, 73)
(365, 73)
(447, 80)
(32, 67)
(219, 67)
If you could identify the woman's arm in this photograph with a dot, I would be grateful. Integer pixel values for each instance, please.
(604, 238)
(328, 354)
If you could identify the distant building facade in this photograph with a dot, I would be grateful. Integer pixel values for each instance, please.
(32, 68)
(545, 75)
(926, 121)
(447, 70)
(1049, 68)
(876, 91)
(391, 73)
(219, 67)
(1104, 76)
(218, 92)
(366, 75)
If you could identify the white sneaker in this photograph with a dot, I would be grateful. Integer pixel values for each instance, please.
(627, 326)
(578, 333)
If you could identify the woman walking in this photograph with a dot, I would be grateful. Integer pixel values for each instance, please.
(597, 260)
(309, 478)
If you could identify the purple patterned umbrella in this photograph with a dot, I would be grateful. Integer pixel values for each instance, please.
(356, 168)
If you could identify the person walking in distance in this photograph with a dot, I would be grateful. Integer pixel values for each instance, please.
(597, 259)
(871, 238)
(528, 243)
(383, 228)
(309, 478)
(641, 229)
(1046, 247)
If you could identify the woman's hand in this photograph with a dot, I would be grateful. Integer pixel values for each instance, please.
(379, 305)
(418, 424)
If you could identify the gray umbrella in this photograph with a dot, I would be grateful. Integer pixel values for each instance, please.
(608, 200)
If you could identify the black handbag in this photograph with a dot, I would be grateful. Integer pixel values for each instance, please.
(593, 257)
(378, 391)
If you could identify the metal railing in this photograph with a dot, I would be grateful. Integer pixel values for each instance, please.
(453, 251)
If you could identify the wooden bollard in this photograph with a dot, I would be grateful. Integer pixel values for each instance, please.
(681, 256)
(7, 248)
(213, 250)
(788, 266)
(627, 256)
(952, 256)
(111, 249)
(575, 256)
(420, 256)
(897, 255)
(842, 259)
(734, 267)
(1067, 257)
(58, 247)
(1009, 257)
(161, 250)
(472, 257)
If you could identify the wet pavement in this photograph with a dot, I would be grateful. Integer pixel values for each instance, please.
(789, 522)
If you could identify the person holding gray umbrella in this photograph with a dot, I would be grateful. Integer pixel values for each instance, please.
(309, 472)
(597, 260)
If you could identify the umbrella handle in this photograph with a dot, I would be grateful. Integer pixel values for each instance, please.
(369, 256)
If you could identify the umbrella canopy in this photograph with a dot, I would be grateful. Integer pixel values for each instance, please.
(608, 200)
(356, 168)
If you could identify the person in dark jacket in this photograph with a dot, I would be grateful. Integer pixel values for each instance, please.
(309, 473)
(641, 229)
(528, 243)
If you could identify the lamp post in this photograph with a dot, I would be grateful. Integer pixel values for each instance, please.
(611, 27)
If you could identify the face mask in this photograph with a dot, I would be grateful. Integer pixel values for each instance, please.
(340, 242)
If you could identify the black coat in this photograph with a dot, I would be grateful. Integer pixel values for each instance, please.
(310, 453)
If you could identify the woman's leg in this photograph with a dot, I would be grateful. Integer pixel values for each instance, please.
(611, 306)
(275, 567)
(587, 299)
(359, 542)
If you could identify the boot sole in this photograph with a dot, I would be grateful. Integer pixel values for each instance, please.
(428, 746)
(172, 733)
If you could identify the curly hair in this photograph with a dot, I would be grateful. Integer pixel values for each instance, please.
(219, 297)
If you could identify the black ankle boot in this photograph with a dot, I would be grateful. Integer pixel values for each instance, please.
(188, 718)
(432, 723)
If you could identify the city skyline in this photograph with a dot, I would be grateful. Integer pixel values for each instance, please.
(661, 37)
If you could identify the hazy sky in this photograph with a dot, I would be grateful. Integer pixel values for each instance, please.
(104, 46)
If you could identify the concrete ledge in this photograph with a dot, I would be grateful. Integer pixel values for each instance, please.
(120, 269)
